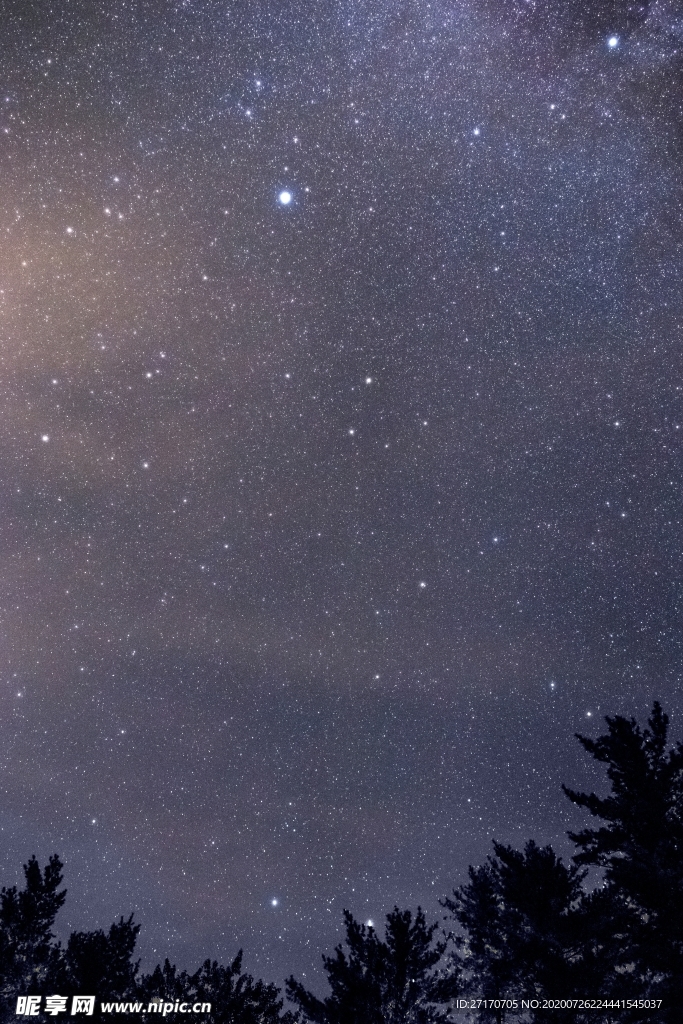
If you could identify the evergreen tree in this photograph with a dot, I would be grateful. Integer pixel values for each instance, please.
(394, 981)
(521, 940)
(640, 848)
(487, 968)
(235, 997)
(100, 962)
(28, 954)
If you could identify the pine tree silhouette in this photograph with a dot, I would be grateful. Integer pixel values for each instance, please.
(520, 939)
(640, 848)
(381, 982)
(28, 954)
(235, 997)
(101, 962)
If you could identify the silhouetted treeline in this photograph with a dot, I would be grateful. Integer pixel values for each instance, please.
(376, 981)
(525, 930)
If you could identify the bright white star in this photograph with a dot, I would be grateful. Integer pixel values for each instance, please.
(285, 198)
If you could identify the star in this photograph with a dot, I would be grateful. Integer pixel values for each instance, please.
(285, 198)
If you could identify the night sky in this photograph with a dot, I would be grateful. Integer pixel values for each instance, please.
(341, 379)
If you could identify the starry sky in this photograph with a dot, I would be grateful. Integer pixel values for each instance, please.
(340, 446)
